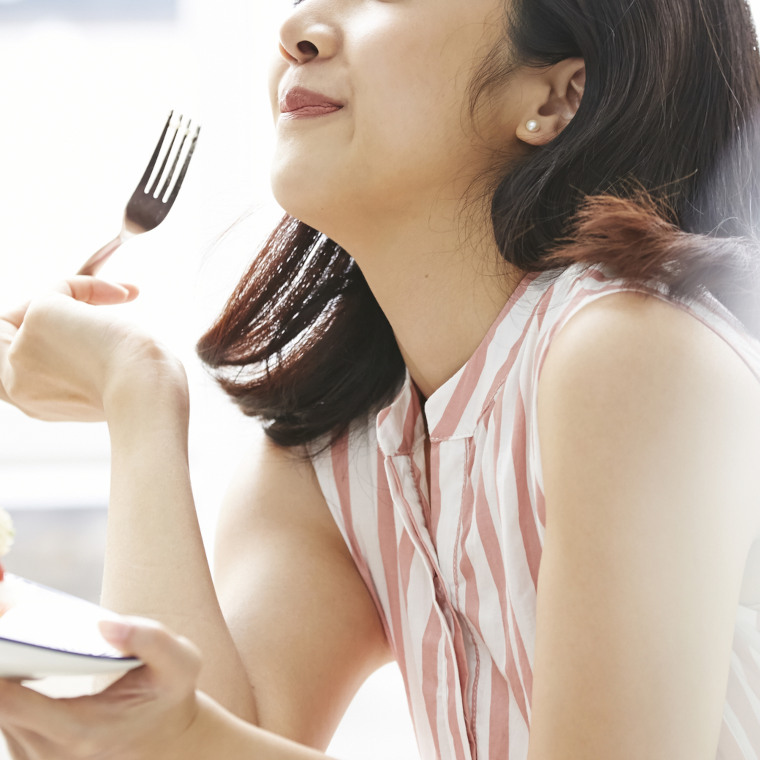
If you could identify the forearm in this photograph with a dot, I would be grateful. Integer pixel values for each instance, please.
(155, 560)
(215, 733)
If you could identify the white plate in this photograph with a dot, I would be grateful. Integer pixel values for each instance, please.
(44, 632)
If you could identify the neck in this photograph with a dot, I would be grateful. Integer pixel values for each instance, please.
(441, 290)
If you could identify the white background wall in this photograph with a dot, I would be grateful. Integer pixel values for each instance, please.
(82, 107)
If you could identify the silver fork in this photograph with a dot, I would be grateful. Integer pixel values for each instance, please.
(148, 206)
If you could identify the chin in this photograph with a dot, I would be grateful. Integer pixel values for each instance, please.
(306, 203)
(299, 208)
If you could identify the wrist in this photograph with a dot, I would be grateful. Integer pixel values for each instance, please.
(215, 732)
(145, 376)
(211, 733)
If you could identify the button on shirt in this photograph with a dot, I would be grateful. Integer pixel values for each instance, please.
(452, 565)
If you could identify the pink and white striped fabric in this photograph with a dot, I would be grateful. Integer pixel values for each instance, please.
(452, 564)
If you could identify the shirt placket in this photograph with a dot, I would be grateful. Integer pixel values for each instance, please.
(408, 505)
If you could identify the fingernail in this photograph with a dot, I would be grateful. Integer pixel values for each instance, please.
(115, 631)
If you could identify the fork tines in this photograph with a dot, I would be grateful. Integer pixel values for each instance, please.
(172, 152)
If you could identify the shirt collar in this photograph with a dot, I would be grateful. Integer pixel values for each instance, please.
(453, 410)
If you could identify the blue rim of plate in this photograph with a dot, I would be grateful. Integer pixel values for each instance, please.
(109, 657)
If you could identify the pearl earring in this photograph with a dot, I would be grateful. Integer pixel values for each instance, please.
(532, 126)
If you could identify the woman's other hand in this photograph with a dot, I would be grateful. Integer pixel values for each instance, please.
(151, 712)
(59, 354)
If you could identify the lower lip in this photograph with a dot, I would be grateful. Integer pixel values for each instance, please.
(309, 112)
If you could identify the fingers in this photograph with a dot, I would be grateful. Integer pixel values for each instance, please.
(27, 709)
(173, 661)
(99, 292)
(138, 716)
(86, 289)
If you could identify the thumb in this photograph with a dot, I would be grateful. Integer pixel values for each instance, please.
(97, 292)
(81, 288)
(173, 661)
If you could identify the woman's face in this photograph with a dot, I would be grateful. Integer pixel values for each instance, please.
(384, 129)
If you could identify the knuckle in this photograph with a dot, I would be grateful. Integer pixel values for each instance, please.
(83, 290)
(67, 286)
(36, 308)
(17, 357)
(34, 320)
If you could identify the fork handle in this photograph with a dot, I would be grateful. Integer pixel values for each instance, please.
(96, 261)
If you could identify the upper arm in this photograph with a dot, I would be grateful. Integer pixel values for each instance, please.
(648, 425)
(300, 614)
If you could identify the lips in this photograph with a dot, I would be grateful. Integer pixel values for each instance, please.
(298, 102)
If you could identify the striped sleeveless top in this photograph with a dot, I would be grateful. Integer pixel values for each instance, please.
(452, 565)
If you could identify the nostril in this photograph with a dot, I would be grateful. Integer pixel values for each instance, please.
(308, 48)
(285, 54)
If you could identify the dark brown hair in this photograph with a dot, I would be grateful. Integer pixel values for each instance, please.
(655, 176)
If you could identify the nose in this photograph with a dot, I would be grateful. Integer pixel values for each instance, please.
(304, 38)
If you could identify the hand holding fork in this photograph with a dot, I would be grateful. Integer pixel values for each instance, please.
(145, 210)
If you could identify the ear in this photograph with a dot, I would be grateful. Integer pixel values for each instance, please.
(552, 98)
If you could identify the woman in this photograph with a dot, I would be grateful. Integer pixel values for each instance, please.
(549, 211)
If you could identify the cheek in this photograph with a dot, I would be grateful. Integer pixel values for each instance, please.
(415, 134)
(413, 87)
(409, 103)
(275, 72)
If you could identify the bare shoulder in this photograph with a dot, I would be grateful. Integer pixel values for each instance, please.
(635, 376)
(635, 327)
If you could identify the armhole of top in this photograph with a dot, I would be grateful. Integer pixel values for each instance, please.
(339, 476)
